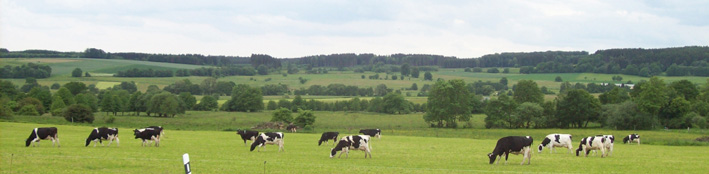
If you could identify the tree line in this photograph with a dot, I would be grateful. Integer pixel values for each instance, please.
(650, 104)
(24, 71)
(691, 60)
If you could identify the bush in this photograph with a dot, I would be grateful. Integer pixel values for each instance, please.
(79, 113)
(305, 118)
(56, 86)
(28, 110)
(282, 115)
(110, 119)
(696, 120)
(308, 128)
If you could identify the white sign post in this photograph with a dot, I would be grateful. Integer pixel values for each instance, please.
(186, 162)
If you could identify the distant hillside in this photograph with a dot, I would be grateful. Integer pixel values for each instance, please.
(681, 61)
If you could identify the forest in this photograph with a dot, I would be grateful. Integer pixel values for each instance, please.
(680, 61)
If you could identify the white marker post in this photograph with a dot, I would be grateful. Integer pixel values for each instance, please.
(186, 162)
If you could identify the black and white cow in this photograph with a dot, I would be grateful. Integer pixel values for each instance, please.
(247, 135)
(556, 140)
(371, 132)
(352, 142)
(43, 133)
(592, 143)
(148, 134)
(515, 145)
(292, 128)
(327, 136)
(275, 138)
(632, 138)
(103, 133)
(610, 140)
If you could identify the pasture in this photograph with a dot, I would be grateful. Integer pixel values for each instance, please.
(224, 152)
(62, 67)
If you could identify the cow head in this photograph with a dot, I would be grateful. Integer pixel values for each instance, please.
(339, 147)
(29, 141)
(256, 143)
(544, 143)
(492, 157)
(136, 132)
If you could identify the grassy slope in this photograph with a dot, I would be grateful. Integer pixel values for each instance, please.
(223, 152)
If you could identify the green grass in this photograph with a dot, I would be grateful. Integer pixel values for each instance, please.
(224, 152)
(351, 122)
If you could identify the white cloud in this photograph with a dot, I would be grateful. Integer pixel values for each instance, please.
(301, 28)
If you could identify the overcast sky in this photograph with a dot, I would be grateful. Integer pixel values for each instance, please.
(295, 28)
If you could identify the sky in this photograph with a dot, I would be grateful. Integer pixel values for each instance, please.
(288, 28)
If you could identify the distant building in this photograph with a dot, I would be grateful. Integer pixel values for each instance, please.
(622, 85)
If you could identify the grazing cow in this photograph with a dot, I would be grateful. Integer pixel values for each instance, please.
(352, 142)
(515, 145)
(262, 140)
(632, 137)
(43, 133)
(556, 140)
(292, 128)
(610, 140)
(371, 132)
(592, 143)
(148, 134)
(103, 133)
(247, 135)
(327, 136)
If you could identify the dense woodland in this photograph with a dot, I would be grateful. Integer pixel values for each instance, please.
(681, 61)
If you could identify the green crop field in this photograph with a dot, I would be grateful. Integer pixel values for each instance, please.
(224, 152)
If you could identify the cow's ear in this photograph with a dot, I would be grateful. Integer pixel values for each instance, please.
(489, 155)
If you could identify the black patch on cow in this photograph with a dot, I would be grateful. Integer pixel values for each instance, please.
(557, 138)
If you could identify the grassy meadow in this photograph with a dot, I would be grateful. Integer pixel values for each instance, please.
(351, 122)
(408, 144)
(224, 152)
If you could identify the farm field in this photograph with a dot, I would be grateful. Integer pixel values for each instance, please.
(224, 152)
(61, 70)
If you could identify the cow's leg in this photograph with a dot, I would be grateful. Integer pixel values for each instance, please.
(157, 140)
(95, 142)
(118, 141)
(347, 154)
(110, 140)
(527, 155)
(507, 155)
